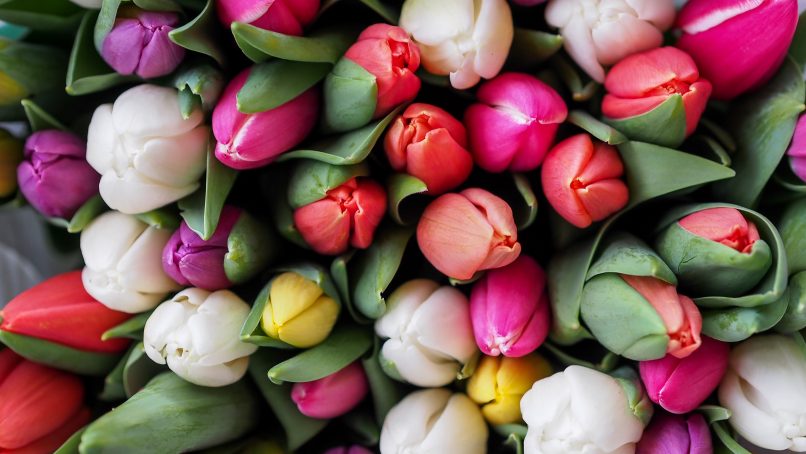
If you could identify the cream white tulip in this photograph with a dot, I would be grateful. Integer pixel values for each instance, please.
(466, 39)
(197, 333)
(429, 333)
(598, 33)
(434, 421)
(581, 410)
(123, 258)
(765, 390)
(147, 154)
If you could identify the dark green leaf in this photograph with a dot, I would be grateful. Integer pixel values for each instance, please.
(87, 72)
(157, 5)
(400, 187)
(274, 83)
(59, 356)
(311, 180)
(113, 390)
(374, 269)
(199, 35)
(386, 393)
(131, 328)
(714, 413)
(199, 86)
(71, 445)
(85, 214)
(644, 128)
(532, 47)
(798, 48)
(161, 218)
(322, 46)
(52, 16)
(363, 425)
(525, 209)
(739, 323)
(39, 119)
(139, 370)
(570, 76)
(389, 13)
(727, 440)
(596, 128)
(202, 209)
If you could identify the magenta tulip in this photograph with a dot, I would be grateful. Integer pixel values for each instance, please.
(333, 395)
(797, 149)
(675, 434)
(288, 17)
(139, 44)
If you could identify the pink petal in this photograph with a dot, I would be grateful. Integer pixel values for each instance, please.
(495, 135)
(638, 74)
(324, 226)
(695, 102)
(439, 161)
(370, 197)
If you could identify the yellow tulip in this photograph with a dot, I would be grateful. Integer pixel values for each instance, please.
(10, 158)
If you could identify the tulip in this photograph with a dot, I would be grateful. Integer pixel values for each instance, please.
(298, 312)
(40, 407)
(430, 144)
(582, 180)
(139, 44)
(763, 389)
(347, 216)
(248, 141)
(430, 338)
(738, 45)
(797, 149)
(715, 251)
(599, 34)
(672, 434)
(584, 410)
(288, 17)
(197, 333)
(499, 383)
(54, 177)
(10, 157)
(466, 39)
(509, 308)
(681, 385)
(332, 396)
(514, 124)
(123, 258)
(434, 420)
(148, 155)
(461, 234)
(354, 449)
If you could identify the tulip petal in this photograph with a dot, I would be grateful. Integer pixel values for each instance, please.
(324, 226)
(298, 331)
(102, 144)
(133, 113)
(496, 134)
(174, 161)
(753, 423)
(459, 425)
(418, 366)
(493, 35)
(108, 237)
(418, 410)
(160, 56)
(370, 201)
(638, 74)
(401, 306)
(140, 268)
(439, 161)
(578, 42)
(442, 325)
(131, 193)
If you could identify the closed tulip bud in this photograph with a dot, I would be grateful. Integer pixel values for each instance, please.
(680, 385)
(55, 177)
(582, 180)
(354, 449)
(763, 389)
(248, 141)
(499, 383)
(461, 234)
(347, 216)
(673, 434)
(148, 155)
(288, 17)
(197, 333)
(509, 308)
(298, 312)
(738, 45)
(123, 262)
(434, 420)
(10, 156)
(465, 39)
(332, 396)
(139, 44)
(430, 144)
(514, 124)
(429, 334)
(797, 149)
(600, 34)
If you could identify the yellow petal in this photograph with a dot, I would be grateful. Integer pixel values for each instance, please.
(505, 410)
(311, 326)
(267, 322)
(517, 375)
(290, 295)
(482, 384)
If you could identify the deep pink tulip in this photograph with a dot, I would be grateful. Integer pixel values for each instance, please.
(288, 17)
(354, 449)
(680, 385)
(737, 44)
(248, 141)
(797, 149)
(675, 434)
(333, 395)
(723, 225)
(515, 122)
(139, 44)
(509, 309)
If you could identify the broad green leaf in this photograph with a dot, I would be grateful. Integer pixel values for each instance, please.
(60, 356)
(139, 370)
(113, 390)
(645, 127)
(91, 209)
(202, 209)
(386, 393)
(277, 82)
(364, 425)
(51, 16)
(311, 180)
(726, 439)
(739, 323)
(131, 328)
(374, 269)
(399, 188)
(321, 46)
(105, 22)
(714, 413)
(792, 225)
(39, 119)
(532, 47)
(624, 253)
(341, 278)
(794, 318)
(388, 13)
(157, 5)
(596, 128)
(71, 445)
(350, 97)
(199, 35)
(162, 218)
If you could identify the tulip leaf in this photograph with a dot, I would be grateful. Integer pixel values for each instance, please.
(105, 22)
(71, 445)
(131, 328)
(727, 440)
(532, 47)
(786, 179)
(793, 233)
(386, 393)
(361, 423)
(798, 48)
(113, 390)
(85, 214)
(625, 254)
(388, 13)
(714, 413)
(200, 34)
(59, 356)
(199, 86)
(277, 82)
(341, 278)
(399, 188)
(39, 119)
(157, 5)
(794, 318)
(51, 16)
(311, 180)
(375, 268)
(321, 46)
(715, 148)
(525, 210)
(570, 76)
(202, 209)
(515, 441)
(139, 370)
(350, 97)
(566, 277)
(251, 331)
(161, 218)
(644, 128)
(596, 128)
(739, 323)
(274, 185)
(608, 362)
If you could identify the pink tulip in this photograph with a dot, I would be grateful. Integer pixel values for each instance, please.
(288, 17)
(797, 149)
(510, 310)
(333, 395)
(139, 44)
(461, 234)
(723, 225)
(737, 44)
(248, 141)
(515, 122)
(430, 144)
(673, 434)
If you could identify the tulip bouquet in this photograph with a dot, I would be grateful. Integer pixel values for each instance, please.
(405, 226)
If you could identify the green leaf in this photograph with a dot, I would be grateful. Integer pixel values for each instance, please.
(388, 13)
(525, 209)
(793, 233)
(399, 188)
(39, 119)
(514, 433)
(386, 393)
(570, 76)
(311, 180)
(202, 209)
(727, 440)
(566, 278)
(596, 128)
(113, 390)
(364, 426)
(157, 5)
(51, 16)
(350, 97)
(739, 323)
(321, 46)
(375, 268)
(60, 356)
(161, 218)
(87, 72)
(199, 86)
(105, 22)
(794, 318)
(85, 214)
(532, 47)
(71, 445)
(199, 35)
(714, 413)
(131, 328)
(671, 114)
(798, 48)
(277, 82)
(139, 370)
(608, 362)
(626, 254)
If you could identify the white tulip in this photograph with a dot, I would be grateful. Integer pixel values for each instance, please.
(434, 421)
(599, 33)
(467, 39)
(89, 4)
(765, 390)
(123, 258)
(429, 333)
(198, 334)
(579, 410)
(147, 154)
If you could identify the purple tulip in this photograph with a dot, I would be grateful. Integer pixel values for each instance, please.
(354, 449)
(55, 177)
(676, 434)
(139, 44)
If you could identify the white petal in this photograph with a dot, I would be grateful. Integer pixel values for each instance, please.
(433, 22)
(493, 35)
(102, 139)
(175, 161)
(443, 58)
(560, 12)
(418, 368)
(212, 376)
(442, 324)
(141, 267)
(775, 367)
(152, 111)
(616, 39)
(216, 328)
(578, 42)
(465, 76)
(401, 305)
(105, 287)
(547, 399)
(408, 423)
(460, 428)
(160, 326)
(133, 194)
(107, 238)
(661, 13)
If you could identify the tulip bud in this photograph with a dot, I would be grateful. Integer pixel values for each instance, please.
(298, 312)
(434, 420)
(763, 389)
(582, 180)
(465, 39)
(461, 234)
(672, 434)
(347, 216)
(197, 333)
(248, 141)
(148, 155)
(499, 383)
(681, 385)
(738, 45)
(10, 157)
(333, 395)
(288, 17)
(430, 144)
(123, 258)
(354, 449)
(797, 149)
(55, 177)
(139, 44)
(429, 334)
(510, 309)
(514, 124)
